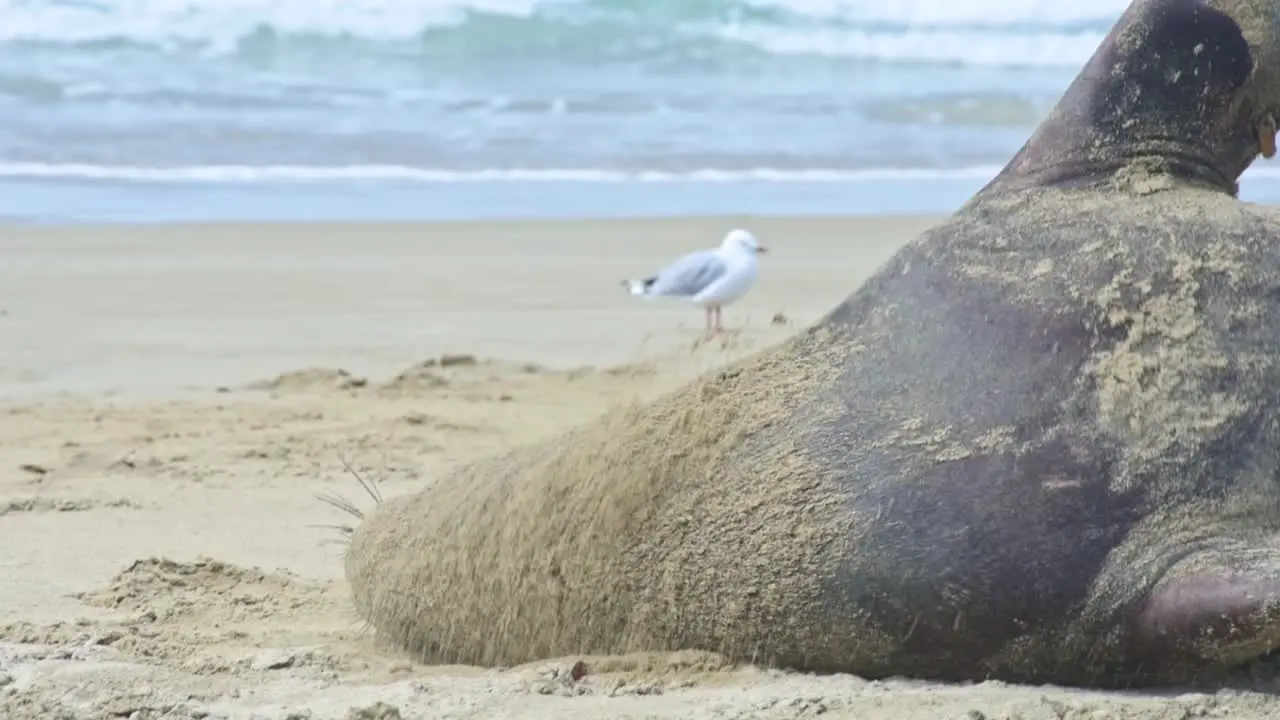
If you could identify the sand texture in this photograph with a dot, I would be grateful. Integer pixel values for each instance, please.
(175, 399)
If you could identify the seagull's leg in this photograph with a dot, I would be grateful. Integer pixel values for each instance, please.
(707, 311)
(719, 324)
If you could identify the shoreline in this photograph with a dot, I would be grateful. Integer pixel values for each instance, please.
(60, 202)
(876, 220)
(63, 203)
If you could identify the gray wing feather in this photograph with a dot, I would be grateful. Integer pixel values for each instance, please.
(690, 274)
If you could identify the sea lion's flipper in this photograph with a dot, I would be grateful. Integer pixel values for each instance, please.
(1219, 615)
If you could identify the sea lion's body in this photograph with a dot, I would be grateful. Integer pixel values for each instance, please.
(1042, 443)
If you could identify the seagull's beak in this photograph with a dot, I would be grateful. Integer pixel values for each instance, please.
(761, 249)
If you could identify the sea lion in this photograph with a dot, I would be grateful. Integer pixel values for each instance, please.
(1041, 443)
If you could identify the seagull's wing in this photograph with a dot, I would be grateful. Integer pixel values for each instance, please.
(689, 275)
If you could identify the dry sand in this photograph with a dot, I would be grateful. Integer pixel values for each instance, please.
(163, 552)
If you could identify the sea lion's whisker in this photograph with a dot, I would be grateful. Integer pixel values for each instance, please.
(370, 486)
(340, 503)
(344, 529)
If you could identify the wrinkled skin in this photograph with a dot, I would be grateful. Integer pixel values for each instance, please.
(1047, 431)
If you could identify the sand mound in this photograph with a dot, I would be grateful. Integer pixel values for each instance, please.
(429, 375)
(448, 370)
(310, 380)
(420, 377)
(44, 504)
(206, 589)
(203, 617)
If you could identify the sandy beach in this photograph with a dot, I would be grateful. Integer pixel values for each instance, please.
(173, 399)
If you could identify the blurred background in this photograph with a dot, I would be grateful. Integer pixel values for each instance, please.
(150, 110)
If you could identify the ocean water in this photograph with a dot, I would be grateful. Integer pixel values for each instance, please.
(154, 110)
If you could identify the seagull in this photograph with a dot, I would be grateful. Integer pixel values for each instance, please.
(711, 278)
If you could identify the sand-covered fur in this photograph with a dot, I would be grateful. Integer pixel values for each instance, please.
(587, 541)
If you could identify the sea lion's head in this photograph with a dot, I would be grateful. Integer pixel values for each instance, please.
(1246, 127)
(1188, 89)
